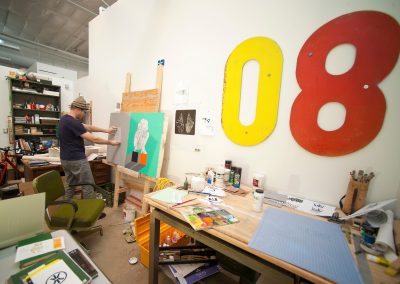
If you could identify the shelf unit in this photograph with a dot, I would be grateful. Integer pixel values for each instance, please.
(35, 110)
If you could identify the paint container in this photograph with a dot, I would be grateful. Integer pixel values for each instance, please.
(197, 184)
(232, 175)
(228, 164)
(258, 180)
(227, 172)
(129, 213)
(258, 200)
(219, 176)
(238, 176)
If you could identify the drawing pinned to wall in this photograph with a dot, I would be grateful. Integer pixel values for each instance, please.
(206, 123)
(185, 122)
(141, 139)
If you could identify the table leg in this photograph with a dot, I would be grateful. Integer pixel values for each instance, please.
(154, 249)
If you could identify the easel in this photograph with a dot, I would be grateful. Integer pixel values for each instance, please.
(139, 101)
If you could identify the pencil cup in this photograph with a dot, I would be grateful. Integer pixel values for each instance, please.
(355, 196)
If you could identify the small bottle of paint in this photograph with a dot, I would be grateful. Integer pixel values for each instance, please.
(237, 178)
(228, 164)
(232, 175)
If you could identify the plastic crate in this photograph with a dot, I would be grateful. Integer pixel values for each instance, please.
(142, 231)
(107, 193)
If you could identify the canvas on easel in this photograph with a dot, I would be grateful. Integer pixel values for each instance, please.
(142, 131)
(142, 136)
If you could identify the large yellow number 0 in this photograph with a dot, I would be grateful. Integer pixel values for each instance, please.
(269, 56)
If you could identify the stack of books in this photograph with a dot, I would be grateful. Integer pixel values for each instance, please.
(43, 260)
(194, 272)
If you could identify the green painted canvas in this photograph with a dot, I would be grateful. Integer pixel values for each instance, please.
(141, 136)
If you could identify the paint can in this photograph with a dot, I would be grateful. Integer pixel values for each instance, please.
(258, 180)
(129, 213)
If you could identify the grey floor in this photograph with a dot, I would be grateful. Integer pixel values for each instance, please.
(111, 252)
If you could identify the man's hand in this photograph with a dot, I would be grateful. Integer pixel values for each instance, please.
(111, 130)
(114, 142)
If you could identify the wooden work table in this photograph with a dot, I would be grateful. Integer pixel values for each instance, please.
(232, 241)
(101, 172)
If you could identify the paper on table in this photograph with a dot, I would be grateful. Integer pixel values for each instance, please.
(170, 195)
(214, 191)
(368, 208)
(309, 206)
(55, 272)
(39, 248)
(384, 240)
(314, 245)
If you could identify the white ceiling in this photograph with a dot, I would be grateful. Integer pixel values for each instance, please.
(54, 32)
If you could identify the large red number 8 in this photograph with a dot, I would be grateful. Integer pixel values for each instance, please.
(376, 37)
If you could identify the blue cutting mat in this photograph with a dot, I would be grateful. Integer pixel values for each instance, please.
(311, 244)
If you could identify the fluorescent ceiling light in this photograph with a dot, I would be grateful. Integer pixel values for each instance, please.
(1, 41)
(10, 46)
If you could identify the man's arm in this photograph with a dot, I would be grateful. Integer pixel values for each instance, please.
(90, 137)
(92, 128)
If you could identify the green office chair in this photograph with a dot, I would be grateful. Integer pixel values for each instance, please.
(76, 216)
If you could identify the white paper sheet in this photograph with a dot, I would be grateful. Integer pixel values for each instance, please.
(39, 248)
(368, 208)
(170, 195)
(384, 240)
(55, 272)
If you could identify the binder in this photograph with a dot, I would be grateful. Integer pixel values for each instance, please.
(19, 278)
(34, 239)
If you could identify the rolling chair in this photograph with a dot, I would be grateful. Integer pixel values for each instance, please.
(77, 216)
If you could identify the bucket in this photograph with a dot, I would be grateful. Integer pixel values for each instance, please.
(129, 213)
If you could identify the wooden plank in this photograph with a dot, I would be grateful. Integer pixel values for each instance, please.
(116, 188)
(162, 145)
(141, 101)
(128, 82)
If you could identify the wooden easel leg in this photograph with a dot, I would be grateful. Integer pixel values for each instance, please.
(146, 189)
(117, 186)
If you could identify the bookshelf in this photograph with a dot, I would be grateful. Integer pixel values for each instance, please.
(35, 113)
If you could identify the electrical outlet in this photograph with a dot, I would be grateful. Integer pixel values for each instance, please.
(5, 130)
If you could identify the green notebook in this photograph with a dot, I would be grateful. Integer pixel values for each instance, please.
(19, 277)
(34, 239)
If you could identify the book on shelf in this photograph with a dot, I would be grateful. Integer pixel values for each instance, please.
(192, 273)
(205, 217)
(58, 268)
(37, 248)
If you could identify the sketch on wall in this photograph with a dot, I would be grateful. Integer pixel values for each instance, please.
(141, 141)
(185, 122)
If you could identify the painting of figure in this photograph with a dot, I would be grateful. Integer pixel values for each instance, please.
(141, 138)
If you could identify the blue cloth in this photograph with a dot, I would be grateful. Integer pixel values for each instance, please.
(72, 147)
(311, 244)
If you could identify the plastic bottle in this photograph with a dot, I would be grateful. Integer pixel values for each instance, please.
(219, 176)
(258, 200)
(210, 177)
(237, 178)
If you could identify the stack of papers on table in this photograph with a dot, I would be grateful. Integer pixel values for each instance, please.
(59, 268)
(170, 195)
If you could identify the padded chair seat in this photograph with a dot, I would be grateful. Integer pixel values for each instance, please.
(88, 212)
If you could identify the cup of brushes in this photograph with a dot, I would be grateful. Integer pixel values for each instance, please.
(356, 191)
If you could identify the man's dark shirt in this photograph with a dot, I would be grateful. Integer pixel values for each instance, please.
(72, 147)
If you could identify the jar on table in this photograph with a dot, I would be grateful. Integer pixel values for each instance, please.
(258, 199)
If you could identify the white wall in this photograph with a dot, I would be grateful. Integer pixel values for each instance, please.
(196, 38)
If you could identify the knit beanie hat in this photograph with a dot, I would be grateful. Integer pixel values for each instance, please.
(80, 102)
